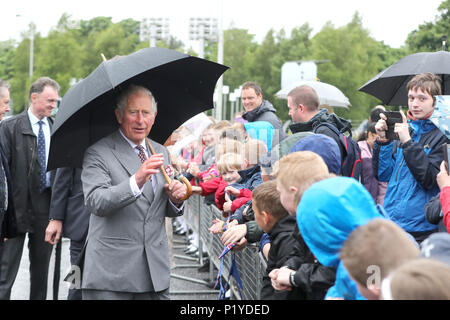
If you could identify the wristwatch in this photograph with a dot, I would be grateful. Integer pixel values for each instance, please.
(291, 278)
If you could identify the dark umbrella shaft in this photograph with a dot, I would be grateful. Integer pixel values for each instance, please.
(57, 270)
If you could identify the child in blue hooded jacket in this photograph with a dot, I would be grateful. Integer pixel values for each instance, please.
(326, 215)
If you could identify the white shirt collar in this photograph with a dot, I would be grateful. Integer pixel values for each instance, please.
(34, 120)
(132, 144)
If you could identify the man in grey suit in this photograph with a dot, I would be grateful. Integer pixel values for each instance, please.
(127, 248)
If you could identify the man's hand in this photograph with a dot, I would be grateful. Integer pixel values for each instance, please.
(149, 168)
(176, 190)
(443, 178)
(53, 232)
(280, 279)
(402, 129)
(381, 127)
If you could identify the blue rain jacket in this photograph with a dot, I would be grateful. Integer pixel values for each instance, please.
(326, 215)
(261, 130)
(411, 171)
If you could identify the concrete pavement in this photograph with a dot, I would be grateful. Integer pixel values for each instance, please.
(183, 284)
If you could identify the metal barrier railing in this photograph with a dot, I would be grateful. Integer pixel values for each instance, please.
(251, 265)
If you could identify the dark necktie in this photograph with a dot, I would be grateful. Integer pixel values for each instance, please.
(143, 157)
(41, 153)
(141, 153)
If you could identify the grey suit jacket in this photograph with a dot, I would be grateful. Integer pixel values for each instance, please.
(127, 247)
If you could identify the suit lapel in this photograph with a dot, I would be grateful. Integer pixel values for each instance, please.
(125, 154)
(130, 161)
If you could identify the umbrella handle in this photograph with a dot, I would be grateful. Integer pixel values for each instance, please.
(183, 179)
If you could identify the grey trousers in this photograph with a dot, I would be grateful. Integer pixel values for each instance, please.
(90, 294)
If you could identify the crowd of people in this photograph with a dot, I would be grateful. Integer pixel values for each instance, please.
(324, 234)
(331, 223)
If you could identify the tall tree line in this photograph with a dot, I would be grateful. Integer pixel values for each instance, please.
(72, 50)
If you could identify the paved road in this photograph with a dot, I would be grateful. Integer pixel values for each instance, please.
(182, 289)
(21, 288)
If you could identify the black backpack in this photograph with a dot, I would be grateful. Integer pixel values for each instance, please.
(351, 165)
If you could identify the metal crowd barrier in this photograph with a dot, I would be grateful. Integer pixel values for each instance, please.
(251, 265)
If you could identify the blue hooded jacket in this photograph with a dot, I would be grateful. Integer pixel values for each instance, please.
(261, 130)
(411, 170)
(326, 215)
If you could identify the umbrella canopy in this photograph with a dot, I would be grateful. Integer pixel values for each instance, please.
(441, 114)
(390, 84)
(328, 94)
(182, 85)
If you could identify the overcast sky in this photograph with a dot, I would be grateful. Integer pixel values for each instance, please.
(387, 20)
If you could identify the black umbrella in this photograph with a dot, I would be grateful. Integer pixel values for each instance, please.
(183, 86)
(390, 84)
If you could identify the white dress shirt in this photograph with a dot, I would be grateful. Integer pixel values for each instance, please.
(46, 128)
(133, 185)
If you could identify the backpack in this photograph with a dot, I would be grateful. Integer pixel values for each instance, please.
(351, 165)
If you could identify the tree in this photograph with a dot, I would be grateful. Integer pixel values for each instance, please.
(59, 58)
(97, 24)
(7, 49)
(111, 41)
(429, 34)
(294, 48)
(354, 59)
(20, 81)
(239, 45)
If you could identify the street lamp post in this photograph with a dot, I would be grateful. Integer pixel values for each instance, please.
(220, 55)
(31, 33)
(225, 91)
(201, 29)
(154, 29)
(237, 95)
(232, 99)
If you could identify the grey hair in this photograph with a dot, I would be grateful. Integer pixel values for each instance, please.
(132, 89)
(5, 85)
(39, 85)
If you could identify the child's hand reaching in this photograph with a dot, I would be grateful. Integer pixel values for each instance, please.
(234, 234)
(233, 191)
(227, 206)
(217, 226)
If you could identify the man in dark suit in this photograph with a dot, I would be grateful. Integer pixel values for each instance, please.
(7, 217)
(68, 215)
(127, 254)
(26, 141)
